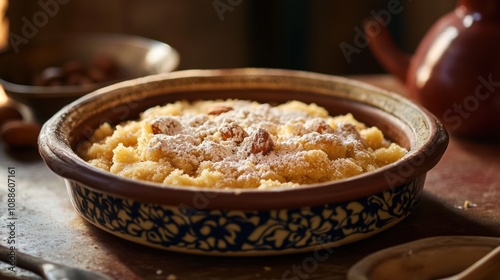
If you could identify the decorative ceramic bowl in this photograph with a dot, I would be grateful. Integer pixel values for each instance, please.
(136, 57)
(245, 222)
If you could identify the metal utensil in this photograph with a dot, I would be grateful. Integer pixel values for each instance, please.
(50, 270)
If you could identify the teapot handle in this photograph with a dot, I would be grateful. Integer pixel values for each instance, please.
(387, 53)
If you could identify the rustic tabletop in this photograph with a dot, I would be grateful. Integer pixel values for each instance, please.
(461, 197)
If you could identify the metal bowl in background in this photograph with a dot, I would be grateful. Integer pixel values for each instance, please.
(136, 57)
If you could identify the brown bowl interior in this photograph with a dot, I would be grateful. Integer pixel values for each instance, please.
(400, 120)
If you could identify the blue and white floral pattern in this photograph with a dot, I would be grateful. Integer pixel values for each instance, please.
(246, 232)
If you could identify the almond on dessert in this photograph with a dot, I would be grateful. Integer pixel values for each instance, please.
(236, 144)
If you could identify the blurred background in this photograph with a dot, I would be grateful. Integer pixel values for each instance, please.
(292, 34)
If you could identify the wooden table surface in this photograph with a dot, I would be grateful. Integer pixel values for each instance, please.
(47, 225)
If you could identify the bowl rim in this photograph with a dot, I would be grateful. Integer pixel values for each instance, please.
(57, 153)
(76, 90)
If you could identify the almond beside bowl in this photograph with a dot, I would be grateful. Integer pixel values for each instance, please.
(245, 222)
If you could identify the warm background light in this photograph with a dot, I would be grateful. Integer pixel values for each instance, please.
(3, 97)
(4, 29)
(4, 25)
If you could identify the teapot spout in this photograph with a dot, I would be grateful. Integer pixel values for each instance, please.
(387, 53)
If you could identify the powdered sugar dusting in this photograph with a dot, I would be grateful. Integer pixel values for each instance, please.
(246, 144)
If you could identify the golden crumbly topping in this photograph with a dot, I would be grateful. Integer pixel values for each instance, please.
(239, 144)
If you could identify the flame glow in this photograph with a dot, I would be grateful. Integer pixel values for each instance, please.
(3, 97)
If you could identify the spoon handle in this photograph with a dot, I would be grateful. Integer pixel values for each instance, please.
(488, 267)
(19, 259)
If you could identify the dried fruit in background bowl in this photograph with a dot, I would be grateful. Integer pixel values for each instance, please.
(101, 68)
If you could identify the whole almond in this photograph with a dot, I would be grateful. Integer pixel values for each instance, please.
(230, 130)
(165, 125)
(9, 112)
(219, 109)
(262, 142)
(16, 133)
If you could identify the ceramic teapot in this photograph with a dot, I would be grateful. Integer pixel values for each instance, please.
(455, 71)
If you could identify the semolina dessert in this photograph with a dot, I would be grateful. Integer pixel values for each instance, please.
(239, 144)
